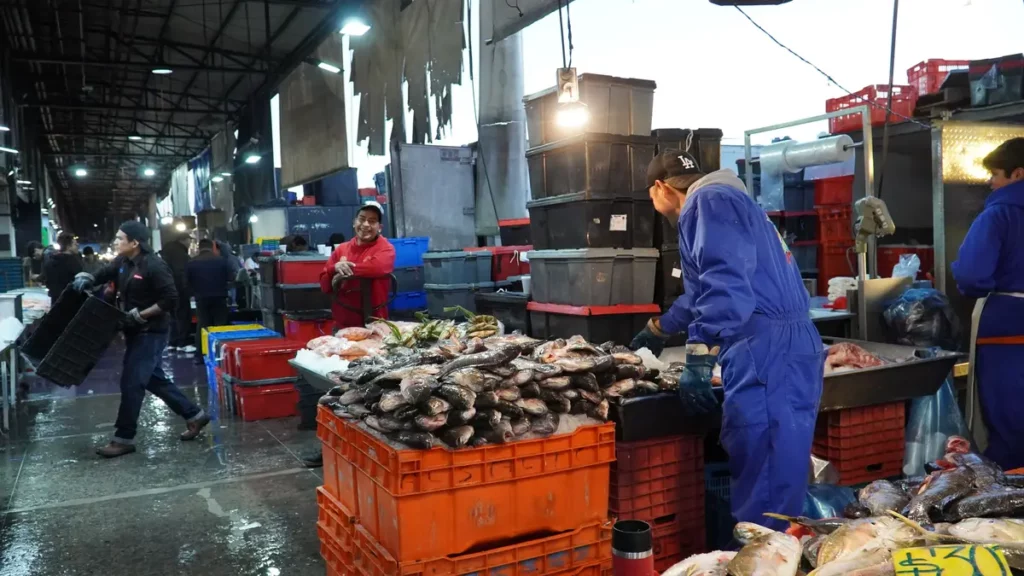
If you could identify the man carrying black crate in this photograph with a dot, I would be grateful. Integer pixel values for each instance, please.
(145, 292)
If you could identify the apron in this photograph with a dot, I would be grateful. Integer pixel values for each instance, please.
(972, 412)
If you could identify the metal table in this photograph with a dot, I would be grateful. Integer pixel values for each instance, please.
(318, 381)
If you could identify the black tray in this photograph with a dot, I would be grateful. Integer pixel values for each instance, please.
(83, 342)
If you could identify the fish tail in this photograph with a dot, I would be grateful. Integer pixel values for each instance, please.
(928, 534)
(790, 519)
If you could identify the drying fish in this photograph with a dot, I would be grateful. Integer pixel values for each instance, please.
(493, 357)
(354, 396)
(416, 390)
(881, 496)
(430, 423)
(407, 412)
(473, 379)
(418, 440)
(939, 490)
(386, 423)
(372, 394)
(502, 371)
(532, 406)
(520, 426)
(434, 406)
(710, 564)
(556, 383)
(774, 554)
(488, 418)
(460, 398)
(545, 424)
(599, 410)
(519, 378)
(510, 410)
(747, 532)
(509, 394)
(997, 502)
(560, 405)
(627, 358)
(586, 381)
(457, 437)
(630, 371)
(545, 371)
(591, 397)
(486, 400)
(456, 418)
(498, 434)
(620, 388)
(358, 410)
(531, 390)
(391, 400)
(570, 394)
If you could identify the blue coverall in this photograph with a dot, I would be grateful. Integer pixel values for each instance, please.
(991, 260)
(744, 292)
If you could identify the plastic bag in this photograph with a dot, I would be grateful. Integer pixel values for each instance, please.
(827, 500)
(923, 318)
(908, 266)
(931, 421)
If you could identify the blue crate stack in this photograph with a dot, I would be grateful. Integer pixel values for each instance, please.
(411, 296)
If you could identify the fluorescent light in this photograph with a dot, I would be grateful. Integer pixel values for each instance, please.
(167, 220)
(254, 219)
(329, 67)
(226, 174)
(95, 225)
(355, 27)
(4, 128)
(149, 172)
(180, 227)
(23, 182)
(253, 158)
(135, 137)
(162, 71)
(217, 178)
(8, 150)
(81, 172)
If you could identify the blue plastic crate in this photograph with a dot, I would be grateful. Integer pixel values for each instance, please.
(409, 301)
(217, 338)
(718, 520)
(409, 251)
(269, 245)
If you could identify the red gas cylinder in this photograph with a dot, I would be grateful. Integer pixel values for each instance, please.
(632, 549)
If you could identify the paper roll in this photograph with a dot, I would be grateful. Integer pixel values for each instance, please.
(792, 156)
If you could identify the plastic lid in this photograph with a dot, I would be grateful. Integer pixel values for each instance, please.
(478, 286)
(594, 310)
(298, 286)
(442, 255)
(632, 536)
(593, 253)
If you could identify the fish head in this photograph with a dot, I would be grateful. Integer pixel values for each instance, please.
(746, 532)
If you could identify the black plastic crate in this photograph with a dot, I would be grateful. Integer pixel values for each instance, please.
(508, 307)
(515, 232)
(705, 144)
(593, 323)
(268, 269)
(596, 165)
(273, 320)
(294, 297)
(83, 341)
(656, 416)
(595, 222)
(409, 279)
(52, 325)
(666, 231)
(669, 279)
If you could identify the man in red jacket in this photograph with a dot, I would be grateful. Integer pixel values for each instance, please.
(367, 255)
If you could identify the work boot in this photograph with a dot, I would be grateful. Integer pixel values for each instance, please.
(195, 427)
(115, 449)
(314, 460)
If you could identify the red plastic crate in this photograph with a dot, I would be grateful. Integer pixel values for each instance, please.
(903, 101)
(835, 224)
(855, 449)
(894, 431)
(834, 191)
(927, 77)
(300, 271)
(266, 402)
(646, 454)
(506, 261)
(674, 539)
(864, 420)
(228, 358)
(304, 329)
(265, 359)
(367, 192)
(889, 256)
(309, 200)
(865, 470)
(381, 199)
(836, 259)
(684, 501)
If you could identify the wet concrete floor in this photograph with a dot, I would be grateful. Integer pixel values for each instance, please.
(235, 501)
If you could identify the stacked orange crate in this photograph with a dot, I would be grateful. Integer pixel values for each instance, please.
(833, 202)
(864, 444)
(661, 481)
(419, 511)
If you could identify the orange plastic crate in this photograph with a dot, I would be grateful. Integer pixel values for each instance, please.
(339, 563)
(835, 224)
(340, 477)
(878, 438)
(684, 484)
(584, 550)
(336, 520)
(646, 455)
(864, 420)
(892, 442)
(683, 503)
(833, 191)
(431, 503)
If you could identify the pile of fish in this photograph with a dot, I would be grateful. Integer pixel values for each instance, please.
(477, 391)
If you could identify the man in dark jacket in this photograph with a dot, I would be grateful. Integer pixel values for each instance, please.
(175, 253)
(145, 292)
(209, 274)
(60, 269)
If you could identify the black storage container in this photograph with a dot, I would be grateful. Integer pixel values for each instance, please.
(273, 320)
(997, 80)
(705, 144)
(53, 324)
(596, 165)
(656, 416)
(81, 344)
(669, 280)
(515, 232)
(294, 297)
(574, 221)
(594, 323)
(268, 269)
(666, 232)
(409, 279)
(508, 307)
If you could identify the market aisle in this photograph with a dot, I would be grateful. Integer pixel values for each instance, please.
(236, 501)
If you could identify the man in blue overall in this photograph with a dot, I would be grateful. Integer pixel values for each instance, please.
(990, 267)
(744, 294)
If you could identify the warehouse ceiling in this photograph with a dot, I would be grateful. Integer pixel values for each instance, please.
(83, 72)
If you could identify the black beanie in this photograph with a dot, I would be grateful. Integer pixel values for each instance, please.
(136, 230)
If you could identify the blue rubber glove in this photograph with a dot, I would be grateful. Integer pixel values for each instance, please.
(82, 282)
(651, 337)
(695, 381)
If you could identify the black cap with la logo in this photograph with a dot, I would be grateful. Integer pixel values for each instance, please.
(670, 164)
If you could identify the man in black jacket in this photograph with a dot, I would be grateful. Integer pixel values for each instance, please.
(145, 292)
(60, 269)
(175, 253)
(209, 274)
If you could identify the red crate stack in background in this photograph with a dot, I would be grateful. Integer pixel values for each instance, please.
(864, 444)
(661, 482)
(833, 199)
(926, 77)
(903, 100)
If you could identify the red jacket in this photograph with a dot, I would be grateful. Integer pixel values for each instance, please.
(374, 260)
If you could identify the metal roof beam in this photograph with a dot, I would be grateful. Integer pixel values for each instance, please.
(115, 108)
(124, 136)
(64, 60)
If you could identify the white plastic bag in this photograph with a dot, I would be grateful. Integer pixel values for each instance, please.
(907, 267)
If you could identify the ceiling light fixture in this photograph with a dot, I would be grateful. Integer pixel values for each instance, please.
(8, 150)
(217, 179)
(24, 182)
(253, 158)
(226, 174)
(180, 227)
(254, 219)
(167, 220)
(4, 128)
(329, 67)
(162, 71)
(81, 172)
(355, 27)
(135, 137)
(149, 172)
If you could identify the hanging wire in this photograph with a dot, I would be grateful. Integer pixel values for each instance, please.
(888, 110)
(568, 25)
(561, 35)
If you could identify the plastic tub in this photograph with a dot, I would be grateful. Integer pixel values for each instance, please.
(441, 296)
(266, 402)
(622, 106)
(294, 297)
(506, 261)
(574, 221)
(53, 323)
(594, 323)
(515, 232)
(705, 144)
(409, 251)
(594, 276)
(596, 165)
(668, 282)
(305, 326)
(459, 267)
(409, 301)
(507, 307)
(299, 269)
(409, 279)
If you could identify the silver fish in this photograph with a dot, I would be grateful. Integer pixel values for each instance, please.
(520, 426)
(457, 437)
(456, 418)
(519, 378)
(532, 406)
(627, 358)
(353, 396)
(417, 389)
(473, 379)
(386, 423)
(493, 357)
(509, 394)
(430, 423)
(391, 400)
(435, 405)
(556, 383)
(460, 398)
(502, 371)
